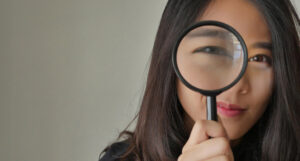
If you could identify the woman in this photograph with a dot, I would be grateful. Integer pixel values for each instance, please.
(171, 123)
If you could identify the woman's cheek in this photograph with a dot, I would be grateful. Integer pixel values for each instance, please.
(262, 86)
(261, 90)
(192, 102)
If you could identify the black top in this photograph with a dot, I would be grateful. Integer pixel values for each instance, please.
(114, 151)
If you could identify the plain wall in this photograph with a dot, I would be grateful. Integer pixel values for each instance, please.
(71, 74)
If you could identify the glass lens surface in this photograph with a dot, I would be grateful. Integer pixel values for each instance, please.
(210, 57)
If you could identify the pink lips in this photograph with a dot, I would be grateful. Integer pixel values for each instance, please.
(229, 110)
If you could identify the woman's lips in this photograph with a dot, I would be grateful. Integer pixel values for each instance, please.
(229, 110)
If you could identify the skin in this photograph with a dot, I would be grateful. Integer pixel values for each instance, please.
(252, 92)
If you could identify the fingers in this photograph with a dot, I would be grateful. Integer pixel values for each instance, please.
(200, 148)
(202, 130)
(219, 146)
(217, 158)
(220, 158)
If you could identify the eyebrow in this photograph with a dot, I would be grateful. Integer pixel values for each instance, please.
(224, 35)
(264, 45)
(209, 33)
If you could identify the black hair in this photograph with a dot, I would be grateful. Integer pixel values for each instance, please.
(160, 132)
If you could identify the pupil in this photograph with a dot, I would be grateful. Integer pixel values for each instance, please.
(209, 50)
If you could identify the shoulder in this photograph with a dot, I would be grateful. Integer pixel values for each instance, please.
(114, 151)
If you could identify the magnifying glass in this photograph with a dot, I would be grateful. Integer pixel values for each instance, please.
(210, 57)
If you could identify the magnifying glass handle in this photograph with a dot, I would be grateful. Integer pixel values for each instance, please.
(211, 108)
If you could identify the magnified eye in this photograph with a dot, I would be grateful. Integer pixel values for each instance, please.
(212, 50)
(261, 58)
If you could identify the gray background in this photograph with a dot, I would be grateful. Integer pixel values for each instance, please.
(71, 74)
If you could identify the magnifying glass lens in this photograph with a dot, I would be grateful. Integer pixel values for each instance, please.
(210, 57)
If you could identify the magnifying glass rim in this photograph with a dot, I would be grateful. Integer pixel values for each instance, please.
(211, 23)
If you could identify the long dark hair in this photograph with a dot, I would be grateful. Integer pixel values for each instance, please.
(160, 131)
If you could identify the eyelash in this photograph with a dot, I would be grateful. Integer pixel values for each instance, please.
(256, 58)
(217, 50)
(261, 58)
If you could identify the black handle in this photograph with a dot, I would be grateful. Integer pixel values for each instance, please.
(211, 108)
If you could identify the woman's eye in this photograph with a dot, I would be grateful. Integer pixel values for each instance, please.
(212, 50)
(261, 58)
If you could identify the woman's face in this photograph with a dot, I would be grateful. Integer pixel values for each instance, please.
(253, 91)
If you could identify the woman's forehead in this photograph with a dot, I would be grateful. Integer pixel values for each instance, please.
(241, 15)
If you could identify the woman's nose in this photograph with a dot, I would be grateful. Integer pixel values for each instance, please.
(243, 85)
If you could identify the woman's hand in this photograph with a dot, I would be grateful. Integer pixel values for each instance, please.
(200, 148)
